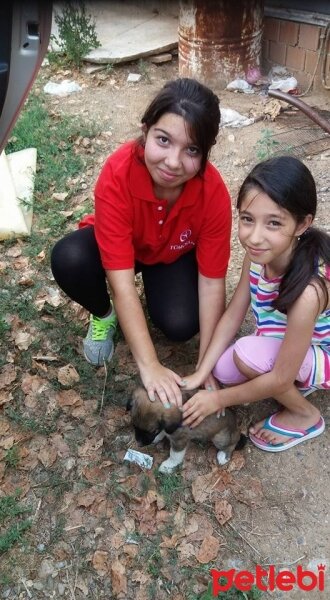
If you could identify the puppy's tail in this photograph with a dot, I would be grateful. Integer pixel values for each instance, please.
(241, 442)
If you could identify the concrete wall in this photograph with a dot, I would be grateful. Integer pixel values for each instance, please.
(296, 46)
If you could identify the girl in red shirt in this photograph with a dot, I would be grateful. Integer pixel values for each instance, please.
(163, 210)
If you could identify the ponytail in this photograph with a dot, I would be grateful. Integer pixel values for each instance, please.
(308, 265)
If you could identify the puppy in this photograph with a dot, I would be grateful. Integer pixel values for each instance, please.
(152, 422)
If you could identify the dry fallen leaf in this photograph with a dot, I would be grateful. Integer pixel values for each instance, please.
(208, 550)
(7, 443)
(204, 486)
(23, 339)
(26, 281)
(47, 456)
(90, 448)
(237, 462)
(223, 511)
(68, 375)
(199, 526)
(248, 490)
(14, 251)
(4, 427)
(7, 376)
(5, 397)
(3, 266)
(33, 384)
(41, 256)
(186, 550)
(22, 262)
(60, 196)
(100, 562)
(118, 578)
(86, 498)
(68, 398)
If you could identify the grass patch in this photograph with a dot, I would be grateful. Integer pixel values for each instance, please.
(12, 532)
(171, 487)
(12, 457)
(60, 161)
(37, 425)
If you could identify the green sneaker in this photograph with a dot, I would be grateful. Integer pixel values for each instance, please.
(98, 344)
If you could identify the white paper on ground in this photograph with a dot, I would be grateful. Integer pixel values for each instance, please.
(143, 460)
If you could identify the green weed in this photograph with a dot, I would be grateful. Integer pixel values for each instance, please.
(4, 327)
(54, 137)
(171, 487)
(76, 34)
(12, 457)
(266, 146)
(143, 68)
(13, 535)
(9, 510)
(56, 532)
(40, 425)
(5, 579)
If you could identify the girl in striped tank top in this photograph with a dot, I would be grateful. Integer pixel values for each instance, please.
(286, 279)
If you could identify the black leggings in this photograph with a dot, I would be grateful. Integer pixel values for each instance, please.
(171, 290)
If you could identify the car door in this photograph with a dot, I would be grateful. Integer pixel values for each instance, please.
(24, 35)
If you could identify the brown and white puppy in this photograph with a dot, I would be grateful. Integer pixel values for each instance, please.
(152, 422)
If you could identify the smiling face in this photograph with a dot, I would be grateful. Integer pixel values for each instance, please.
(171, 156)
(268, 232)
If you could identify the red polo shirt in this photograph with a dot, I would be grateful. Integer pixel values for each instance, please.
(132, 224)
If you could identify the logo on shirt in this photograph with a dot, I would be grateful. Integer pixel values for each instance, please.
(185, 235)
(184, 240)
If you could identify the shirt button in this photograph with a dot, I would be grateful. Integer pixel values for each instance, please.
(160, 208)
(161, 222)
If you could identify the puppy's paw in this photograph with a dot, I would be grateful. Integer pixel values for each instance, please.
(167, 467)
(222, 458)
(159, 437)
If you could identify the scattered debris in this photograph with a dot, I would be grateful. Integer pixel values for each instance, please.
(232, 118)
(143, 460)
(133, 77)
(284, 85)
(64, 88)
(161, 58)
(240, 85)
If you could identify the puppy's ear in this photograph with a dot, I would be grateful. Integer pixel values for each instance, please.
(129, 404)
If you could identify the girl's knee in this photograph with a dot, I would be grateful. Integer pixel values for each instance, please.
(254, 355)
(177, 329)
(226, 371)
(243, 367)
(67, 256)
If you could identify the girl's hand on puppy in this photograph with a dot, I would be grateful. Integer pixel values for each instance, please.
(211, 383)
(201, 405)
(191, 382)
(163, 382)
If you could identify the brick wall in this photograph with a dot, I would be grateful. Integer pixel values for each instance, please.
(297, 47)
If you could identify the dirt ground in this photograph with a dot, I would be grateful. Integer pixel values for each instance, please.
(279, 501)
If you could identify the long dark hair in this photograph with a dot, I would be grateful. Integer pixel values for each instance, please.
(290, 184)
(193, 101)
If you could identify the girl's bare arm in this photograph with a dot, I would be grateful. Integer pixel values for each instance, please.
(155, 377)
(225, 330)
(300, 326)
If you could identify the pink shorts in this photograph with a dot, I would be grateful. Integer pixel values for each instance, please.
(260, 353)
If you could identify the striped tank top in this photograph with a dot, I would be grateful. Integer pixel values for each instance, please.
(273, 323)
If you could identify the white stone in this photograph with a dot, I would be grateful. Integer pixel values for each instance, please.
(134, 77)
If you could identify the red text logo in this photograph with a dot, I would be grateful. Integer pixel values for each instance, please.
(268, 580)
